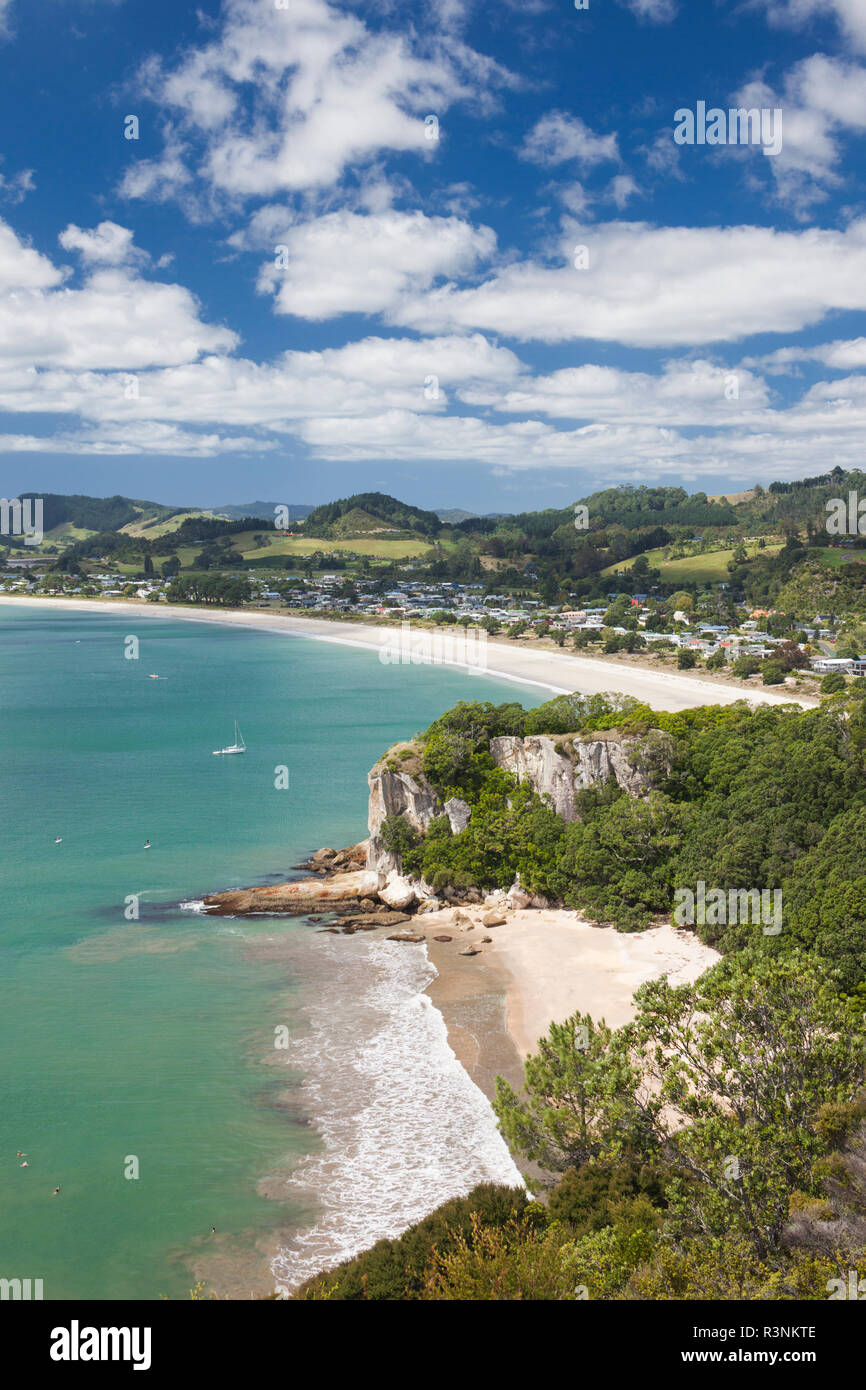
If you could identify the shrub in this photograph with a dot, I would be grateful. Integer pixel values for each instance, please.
(832, 683)
(773, 673)
(393, 1270)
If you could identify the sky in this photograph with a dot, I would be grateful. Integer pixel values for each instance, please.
(474, 255)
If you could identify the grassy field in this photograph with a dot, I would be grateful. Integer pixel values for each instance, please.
(711, 567)
(66, 533)
(150, 530)
(378, 547)
(836, 557)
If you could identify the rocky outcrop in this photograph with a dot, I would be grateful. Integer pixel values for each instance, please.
(556, 776)
(602, 760)
(399, 892)
(458, 813)
(396, 794)
(301, 897)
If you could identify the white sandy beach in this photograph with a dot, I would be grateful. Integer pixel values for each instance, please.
(558, 963)
(555, 671)
(552, 963)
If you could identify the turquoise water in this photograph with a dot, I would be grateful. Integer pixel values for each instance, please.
(147, 1041)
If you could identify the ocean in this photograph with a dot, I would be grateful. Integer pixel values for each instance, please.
(232, 1102)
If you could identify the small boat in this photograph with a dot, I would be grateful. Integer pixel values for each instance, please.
(237, 747)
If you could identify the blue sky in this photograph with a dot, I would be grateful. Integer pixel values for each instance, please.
(342, 253)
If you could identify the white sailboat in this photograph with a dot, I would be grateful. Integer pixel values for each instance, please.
(237, 747)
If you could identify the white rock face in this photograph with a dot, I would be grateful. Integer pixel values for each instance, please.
(396, 794)
(553, 775)
(497, 899)
(398, 893)
(517, 897)
(458, 813)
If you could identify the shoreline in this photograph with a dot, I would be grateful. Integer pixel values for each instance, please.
(539, 967)
(554, 671)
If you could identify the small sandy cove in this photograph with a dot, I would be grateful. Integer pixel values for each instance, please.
(539, 967)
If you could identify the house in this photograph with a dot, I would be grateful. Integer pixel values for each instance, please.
(826, 664)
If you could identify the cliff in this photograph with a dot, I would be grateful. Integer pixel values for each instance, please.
(556, 768)
(366, 878)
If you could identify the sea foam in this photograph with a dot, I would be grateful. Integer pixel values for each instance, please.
(403, 1128)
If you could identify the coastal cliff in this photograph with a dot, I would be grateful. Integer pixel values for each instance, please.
(555, 768)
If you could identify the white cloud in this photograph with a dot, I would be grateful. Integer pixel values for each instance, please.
(107, 244)
(346, 263)
(148, 438)
(661, 286)
(558, 137)
(22, 268)
(115, 320)
(849, 14)
(841, 355)
(330, 92)
(658, 11)
(358, 380)
(16, 188)
(823, 99)
(683, 394)
(620, 189)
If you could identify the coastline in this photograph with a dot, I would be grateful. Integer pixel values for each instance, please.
(540, 965)
(554, 671)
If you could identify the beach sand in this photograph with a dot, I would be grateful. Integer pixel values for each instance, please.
(540, 967)
(554, 671)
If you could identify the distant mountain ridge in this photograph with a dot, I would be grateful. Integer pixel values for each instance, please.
(236, 511)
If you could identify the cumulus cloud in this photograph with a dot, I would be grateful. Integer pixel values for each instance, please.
(348, 263)
(107, 244)
(649, 286)
(116, 318)
(823, 99)
(358, 380)
(849, 14)
(330, 92)
(558, 138)
(684, 393)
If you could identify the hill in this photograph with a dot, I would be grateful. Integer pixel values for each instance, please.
(238, 511)
(377, 508)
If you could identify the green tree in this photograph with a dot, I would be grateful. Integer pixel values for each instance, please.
(832, 683)
(577, 1097)
(748, 1055)
(773, 673)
